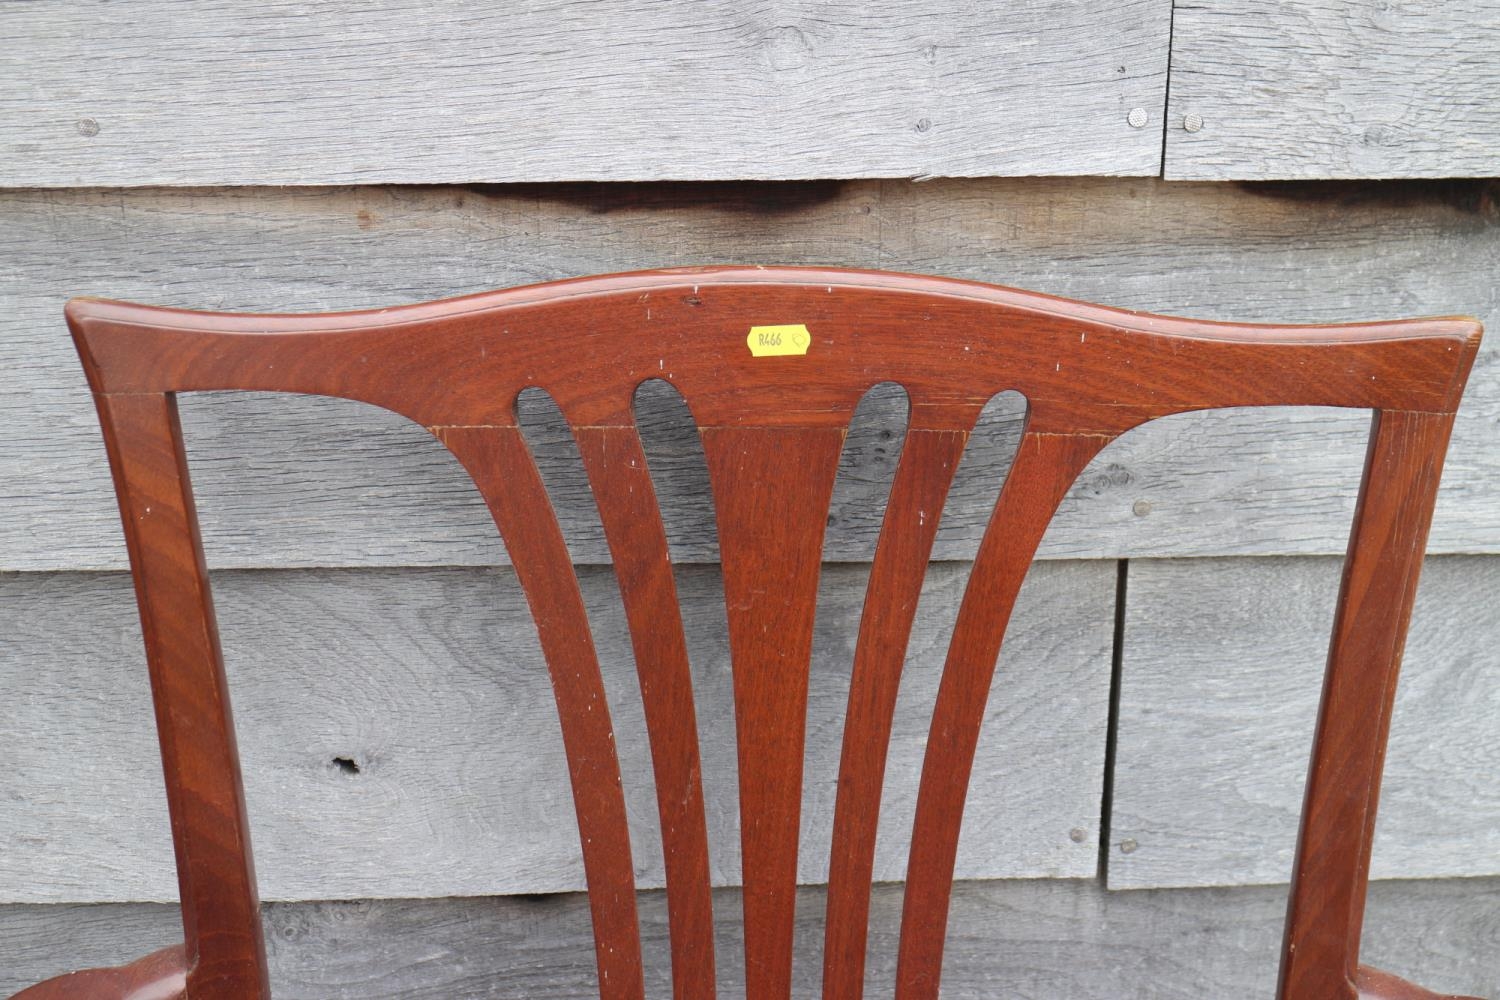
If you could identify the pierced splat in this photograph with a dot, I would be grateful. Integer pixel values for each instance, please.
(771, 514)
(502, 468)
(1045, 465)
(617, 470)
(929, 459)
(772, 427)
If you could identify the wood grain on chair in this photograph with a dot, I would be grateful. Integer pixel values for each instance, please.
(772, 414)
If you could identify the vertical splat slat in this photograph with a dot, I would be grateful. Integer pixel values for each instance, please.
(1320, 954)
(772, 488)
(501, 466)
(626, 497)
(215, 874)
(1044, 467)
(929, 459)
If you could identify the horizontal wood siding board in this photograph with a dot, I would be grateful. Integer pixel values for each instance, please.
(399, 738)
(1043, 940)
(1223, 662)
(402, 92)
(364, 488)
(1330, 89)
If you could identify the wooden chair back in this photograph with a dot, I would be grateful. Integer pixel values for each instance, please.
(771, 364)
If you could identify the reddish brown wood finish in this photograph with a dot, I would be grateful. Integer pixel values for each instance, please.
(772, 429)
(216, 878)
(929, 459)
(772, 487)
(1045, 466)
(161, 975)
(626, 498)
(1327, 902)
(498, 461)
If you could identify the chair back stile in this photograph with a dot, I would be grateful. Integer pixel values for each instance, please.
(210, 829)
(773, 429)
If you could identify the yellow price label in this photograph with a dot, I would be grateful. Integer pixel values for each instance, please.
(778, 341)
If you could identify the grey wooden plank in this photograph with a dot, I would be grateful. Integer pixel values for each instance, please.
(399, 738)
(400, 92)
(1033, 940)
(1223, 661)
(1331, 89)
(365, 489)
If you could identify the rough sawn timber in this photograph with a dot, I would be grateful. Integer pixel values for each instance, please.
(399, 739)
(1221, 661)
(369, 489)
(401, 92)
(1046, 940)
(1327, 89)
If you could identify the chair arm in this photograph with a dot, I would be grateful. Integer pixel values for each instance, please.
(1376, 985)
(161, 975)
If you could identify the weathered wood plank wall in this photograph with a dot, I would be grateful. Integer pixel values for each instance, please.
(1262, 89)
(233, 93)
(1204, 797)
(1033, 939)
(264, 94)
(368, 489)
(399, 739)
(375, 650)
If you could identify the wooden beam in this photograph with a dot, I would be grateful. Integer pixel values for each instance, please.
(1263, 90)
(398, 734)
(1223, 661)
(405, 92)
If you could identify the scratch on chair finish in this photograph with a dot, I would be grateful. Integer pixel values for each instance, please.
(772, 429)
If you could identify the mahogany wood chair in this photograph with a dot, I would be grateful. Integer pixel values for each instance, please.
(772, 411)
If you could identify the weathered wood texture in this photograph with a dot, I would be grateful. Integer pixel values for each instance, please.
(1221, 669)
(401, 92)
(1033, 940)
(1331, 89)
(399, 738)
(254, 94)
(368, 489)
